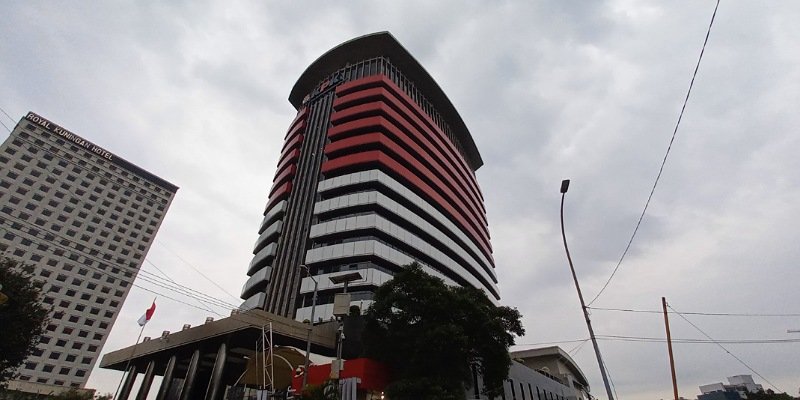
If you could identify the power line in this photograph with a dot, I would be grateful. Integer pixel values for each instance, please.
(148, 193)
(143, 275)
(725, 349)
(577, 348)
(613, 387)
(167, 276)
(649, 339)
(6, 114)
(145, 191)
(664, 161)
(9, 117)
(697, 313)
(151, 195)
(196, 270)
(549, 343)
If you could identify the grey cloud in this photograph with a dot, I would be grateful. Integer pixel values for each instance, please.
(197, 92)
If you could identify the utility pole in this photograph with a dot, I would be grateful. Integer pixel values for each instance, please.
(310, 326)
(564, 188)
(669, 347)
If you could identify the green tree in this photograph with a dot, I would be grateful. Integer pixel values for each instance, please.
(430, 334)
(73, 394)
(22, 317)
(768, 395)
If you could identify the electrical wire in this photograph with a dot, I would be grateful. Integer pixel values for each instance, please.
(613, 387)
(147, 192)
(578, 347)
(664, 161)
(196, 270)
(170, 279)
(548, 343)
(9, 118)
(697, 313)
(725, 349)
(50, 174)
(648, 339)
(6, 114)
(143, 275)
(121, 275)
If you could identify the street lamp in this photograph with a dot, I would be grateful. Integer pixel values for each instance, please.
(341, 300)
(564, 188)
(311, 324)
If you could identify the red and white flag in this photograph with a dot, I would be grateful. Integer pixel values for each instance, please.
(147, 314)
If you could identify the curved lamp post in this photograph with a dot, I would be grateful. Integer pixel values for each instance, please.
(564, 188)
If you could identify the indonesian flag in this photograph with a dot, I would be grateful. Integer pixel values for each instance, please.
(147, 314)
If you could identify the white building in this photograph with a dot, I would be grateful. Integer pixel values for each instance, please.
(85, 219)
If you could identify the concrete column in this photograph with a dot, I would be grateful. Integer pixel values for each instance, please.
(214, 390)
(128, 384)
(165, 384)
(146, 382)
(191, 374)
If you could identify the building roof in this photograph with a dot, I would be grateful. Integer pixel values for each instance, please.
(553, 352)
(239, 331)
(97, 150)
(384, 44)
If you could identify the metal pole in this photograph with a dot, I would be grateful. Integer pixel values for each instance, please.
(144, 389)
(191, 375)
(271, 359)
(564, 187)
(167, 381)
(214, 389)
(128, 363)
(310, 328)
(669, 348)
(340, 339)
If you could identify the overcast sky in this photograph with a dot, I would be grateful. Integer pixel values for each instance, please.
(196, 92)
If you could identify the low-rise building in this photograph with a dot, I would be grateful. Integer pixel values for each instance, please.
(737, 388)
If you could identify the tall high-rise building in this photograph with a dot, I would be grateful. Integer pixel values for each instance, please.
(377, 171)
(84, 218)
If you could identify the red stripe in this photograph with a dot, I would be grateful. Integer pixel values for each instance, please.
(414, 139)
(150, 311)
(357, 87)
(373, 156)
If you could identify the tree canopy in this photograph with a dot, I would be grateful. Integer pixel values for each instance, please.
(431, 334)
(22, 317)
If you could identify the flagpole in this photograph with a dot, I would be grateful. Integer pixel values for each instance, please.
(133, 351)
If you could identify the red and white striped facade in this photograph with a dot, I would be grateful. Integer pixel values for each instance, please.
(377, 171)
